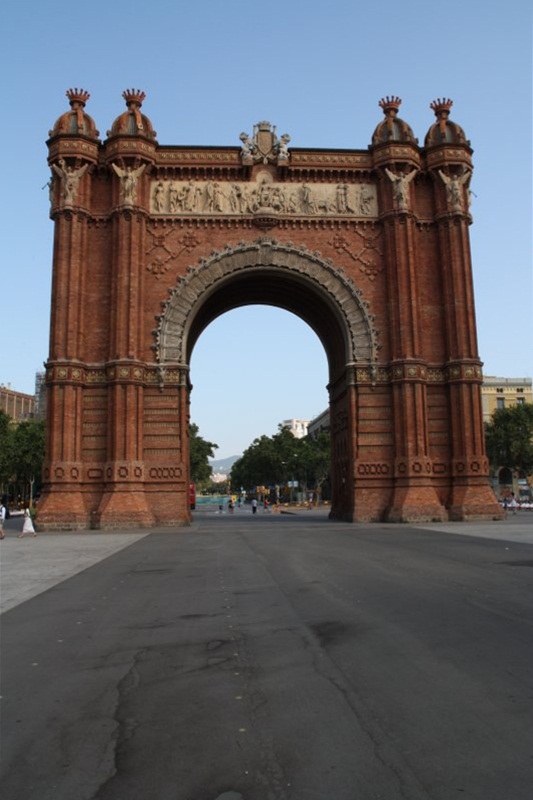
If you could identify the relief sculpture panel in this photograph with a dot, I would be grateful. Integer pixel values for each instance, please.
(178, 198)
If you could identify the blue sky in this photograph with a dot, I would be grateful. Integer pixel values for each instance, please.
(316, 70)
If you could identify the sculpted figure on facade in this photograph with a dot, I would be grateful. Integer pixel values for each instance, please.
(51, 187)
(237, 199)
(401, 183)
(218, 198)
(308, 205)
(365, 201)
(159, 197)
(277, 199)
(190, 197)
(454, 189)
(209, 197)
(173, 199)
(283, 148)
(342, 199)
(128, 180)
(292, 203)
(248, 148)
(70, 179)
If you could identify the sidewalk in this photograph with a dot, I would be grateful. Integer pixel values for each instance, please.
(30, 566)
(515, 528)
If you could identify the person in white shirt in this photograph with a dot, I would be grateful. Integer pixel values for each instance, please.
(27, 528)
(2, 520)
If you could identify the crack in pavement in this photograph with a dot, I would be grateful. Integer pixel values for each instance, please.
(125, 727)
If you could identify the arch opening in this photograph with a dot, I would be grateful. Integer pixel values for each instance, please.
(268, 273)
(270, 288)
(253, 369)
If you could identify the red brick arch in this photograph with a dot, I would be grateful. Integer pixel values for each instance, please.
(369, 247)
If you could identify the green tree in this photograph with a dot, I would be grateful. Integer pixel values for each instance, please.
(258, 465)
(317, 460)
(5, 447)
(509, 438)
(276, 460)
(27, 454)
(200, 453)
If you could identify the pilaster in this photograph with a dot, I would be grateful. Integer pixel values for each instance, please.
(62, 504)
(343, 438)
(471, 495)
(414, 496)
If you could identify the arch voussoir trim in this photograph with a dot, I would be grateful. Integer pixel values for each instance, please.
(179, 309)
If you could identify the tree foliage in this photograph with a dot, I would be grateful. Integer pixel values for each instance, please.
(28, 450)
(200, 452)
(509, 438)
(5, 447)
(21, 452)
(276, 460)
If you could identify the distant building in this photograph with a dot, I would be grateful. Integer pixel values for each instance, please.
(319, 424)
(497, 393)
(40, 396)
(503, 393)
(298, 427)
(17, 405)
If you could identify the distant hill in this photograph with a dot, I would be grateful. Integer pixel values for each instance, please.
(223, 465)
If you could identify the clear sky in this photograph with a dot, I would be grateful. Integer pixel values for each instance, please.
(213, 68)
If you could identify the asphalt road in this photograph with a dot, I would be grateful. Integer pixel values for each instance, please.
(275, 658)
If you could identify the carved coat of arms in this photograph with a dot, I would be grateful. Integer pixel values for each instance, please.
(264, 146)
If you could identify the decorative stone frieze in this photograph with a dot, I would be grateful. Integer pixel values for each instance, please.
(213, 198)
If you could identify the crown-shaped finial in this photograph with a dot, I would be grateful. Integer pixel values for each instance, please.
(390, 104)
(77, 96)
(441, 106)
(133, 96)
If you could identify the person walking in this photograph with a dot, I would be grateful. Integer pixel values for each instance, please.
(27, 527)
(2, 520)
(254, 506)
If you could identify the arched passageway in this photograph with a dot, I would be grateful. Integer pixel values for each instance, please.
(297, 281)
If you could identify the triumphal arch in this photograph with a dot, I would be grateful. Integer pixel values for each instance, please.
(369, 246)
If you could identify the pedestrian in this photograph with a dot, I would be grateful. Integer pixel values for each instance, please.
(265, 504)
(2, 520)
(254, 506)
(27, 527)
(513, 505)
(230, 505)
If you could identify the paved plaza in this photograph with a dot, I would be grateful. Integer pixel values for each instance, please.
(268, 657)
(30, 566)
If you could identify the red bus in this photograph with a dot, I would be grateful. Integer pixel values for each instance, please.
(192, 496)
